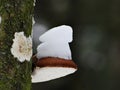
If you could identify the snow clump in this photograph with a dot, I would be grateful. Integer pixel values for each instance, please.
(55, 43)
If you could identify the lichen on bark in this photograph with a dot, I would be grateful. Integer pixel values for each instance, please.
(16, 16)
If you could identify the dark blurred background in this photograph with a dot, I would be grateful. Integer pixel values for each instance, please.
(96, 45)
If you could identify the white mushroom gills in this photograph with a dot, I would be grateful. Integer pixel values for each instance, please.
(50, 73)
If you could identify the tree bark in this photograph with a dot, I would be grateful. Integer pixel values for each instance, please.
(16, 16)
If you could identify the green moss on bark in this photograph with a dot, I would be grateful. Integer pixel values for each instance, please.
(16, 16)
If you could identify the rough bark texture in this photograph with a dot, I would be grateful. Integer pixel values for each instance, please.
(16, 16)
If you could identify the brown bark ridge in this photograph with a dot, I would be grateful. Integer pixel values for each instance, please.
(16, 16)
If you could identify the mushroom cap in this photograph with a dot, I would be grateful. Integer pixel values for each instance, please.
(62, 34)
(52, 68)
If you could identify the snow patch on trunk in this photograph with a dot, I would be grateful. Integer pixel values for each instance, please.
(33, 20)
(0, 19)
(34, 2)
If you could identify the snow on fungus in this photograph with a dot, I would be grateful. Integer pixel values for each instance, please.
(50, 44)
(50, 49)
(53, 59)
(22, 47)
(63, 33)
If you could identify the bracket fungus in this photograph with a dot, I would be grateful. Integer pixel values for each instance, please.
(53, 59)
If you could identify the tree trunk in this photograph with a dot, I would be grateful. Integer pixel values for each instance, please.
(16, 16)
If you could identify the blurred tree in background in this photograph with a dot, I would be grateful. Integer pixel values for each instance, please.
(96, 45)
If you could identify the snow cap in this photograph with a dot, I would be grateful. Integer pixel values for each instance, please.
(54, 49)
(61, 33)
(55, 43)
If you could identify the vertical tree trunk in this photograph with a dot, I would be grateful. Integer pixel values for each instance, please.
(16, 16)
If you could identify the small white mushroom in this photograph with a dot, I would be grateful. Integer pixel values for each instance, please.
(22, 47)
(53, 58)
